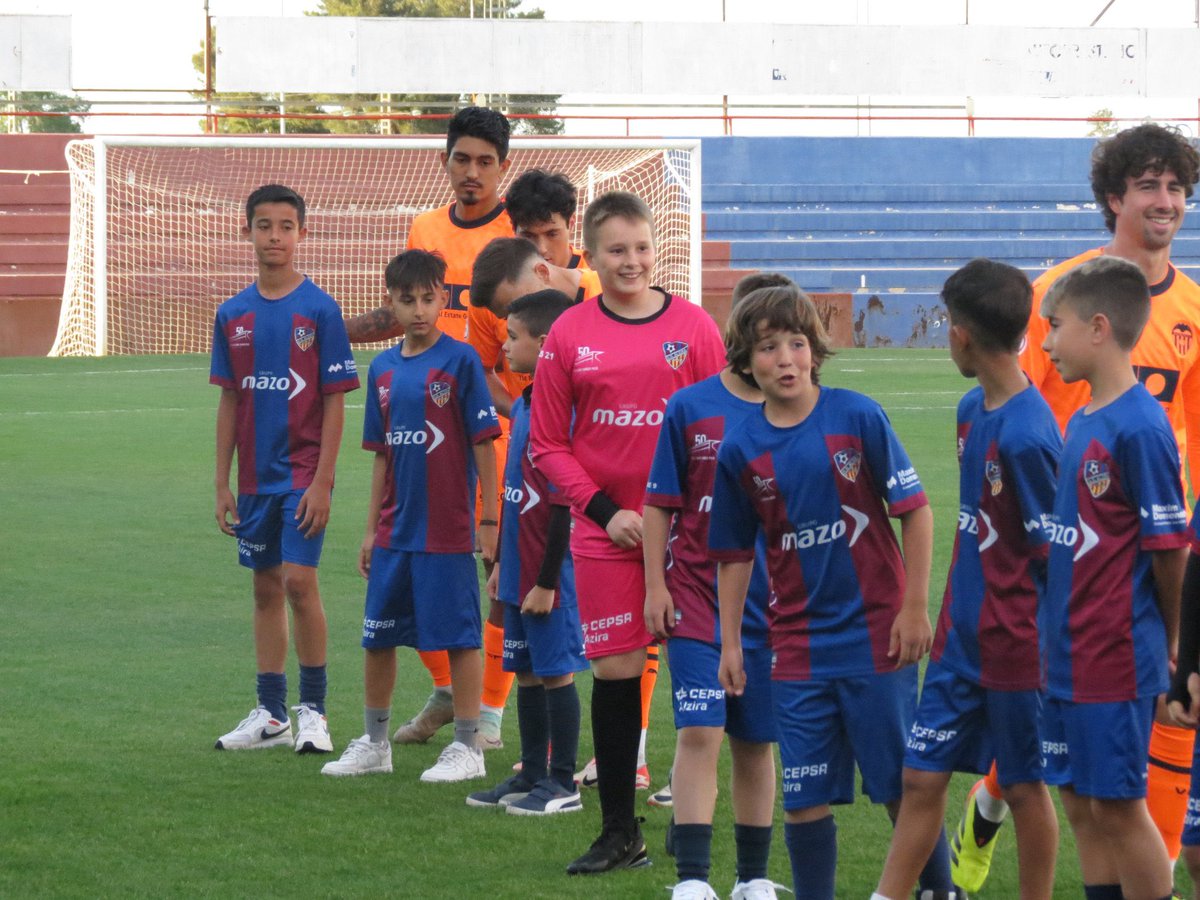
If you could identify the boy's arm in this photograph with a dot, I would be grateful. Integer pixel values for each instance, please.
(733, 581)
(540, 599)
(1183, 700)
(313, 509)
(912, 635)
(377, 325)
(485, 464)
(374, 507)
(226, 440)
(1168, 568)
(659, 609)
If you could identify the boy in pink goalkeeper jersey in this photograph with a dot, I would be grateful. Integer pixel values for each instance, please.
(605, 373)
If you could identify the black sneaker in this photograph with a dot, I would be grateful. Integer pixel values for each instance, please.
(614, 849)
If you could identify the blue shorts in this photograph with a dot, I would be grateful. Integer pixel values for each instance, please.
(1100, 750)
(962, 727)
(269, 532)
(548, 646)
(826, 726)
(700, 701)
(425, 600)
(1191, 821)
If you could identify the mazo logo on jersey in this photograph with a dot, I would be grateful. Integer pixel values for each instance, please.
(420, 437)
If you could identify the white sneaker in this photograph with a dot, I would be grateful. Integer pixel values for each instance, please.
(362, 757)
(258, 730)
(757, 889)
(587, 777)
(488, 734)
(457, 762)
(693, 889)
(312, 731)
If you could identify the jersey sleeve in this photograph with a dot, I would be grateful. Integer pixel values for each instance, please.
(479, 415)
(221, 369)
(1033, 463)
(373, 424)
(1149, 467)
(668, 469)
(889, 463)
(339, 371)
(550, 425)
(485, 332)
(710, 358)
(733, 525)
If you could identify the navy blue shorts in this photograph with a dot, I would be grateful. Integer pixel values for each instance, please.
(1100, 750)
(425, 600)
(269, 532)
(548, 646)
(700, 701)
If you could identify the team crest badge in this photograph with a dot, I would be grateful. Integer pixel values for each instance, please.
(991, 469)
(1095, 476)
(676, 353)
(848, 462)
(1182, 335)
(439, 392)
(304, 336)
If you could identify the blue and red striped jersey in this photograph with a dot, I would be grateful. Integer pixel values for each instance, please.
(987, 631)
(1118, 500)
(425, 412)
(281, 357)
(818, 491)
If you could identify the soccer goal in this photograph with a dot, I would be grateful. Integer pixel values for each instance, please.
(155, 241)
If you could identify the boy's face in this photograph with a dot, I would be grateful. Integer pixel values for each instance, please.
(533, 279)
(782, 364)
(1070, 343)
(274, 230)
(522, 348)
(417, 308)
(475, 171)
(1150, 211)
(552, 238)
(624, 257)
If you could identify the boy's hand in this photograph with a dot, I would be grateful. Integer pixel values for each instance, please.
(625, 529)
(538, 602)
(659, 612)
(364, 555)
(487, 543)
(911, 637)
(226, 510)
(1187, 717)
(731, 671)
(313, 510)
(493, 584)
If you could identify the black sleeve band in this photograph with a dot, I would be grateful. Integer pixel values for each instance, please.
(601, 509)
(558, 536)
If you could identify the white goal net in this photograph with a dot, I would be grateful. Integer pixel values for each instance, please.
(155, 222)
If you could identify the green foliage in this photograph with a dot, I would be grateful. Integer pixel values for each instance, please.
(1102, 123)
(69, 122)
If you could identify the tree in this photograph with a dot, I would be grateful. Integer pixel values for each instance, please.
(354, 105)
(70, 109)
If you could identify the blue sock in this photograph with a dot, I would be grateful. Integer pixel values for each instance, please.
(693, 851)
(312, 687)
(812, 847)
(1102, 891)
(936, 874)
(272, 694)
(753, 844)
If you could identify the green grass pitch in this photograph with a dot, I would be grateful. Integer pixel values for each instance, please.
(127, 650)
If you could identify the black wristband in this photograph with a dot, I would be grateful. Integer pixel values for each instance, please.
(601, 509)
(488, 522)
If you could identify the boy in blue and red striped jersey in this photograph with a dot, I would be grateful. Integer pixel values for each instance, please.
(535, 580)
(283, 363)
(1110, 620)
(430, 422)
(848, 618)
(981, 695)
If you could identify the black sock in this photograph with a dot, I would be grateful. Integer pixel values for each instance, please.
(693, 851)
(616, 730)
(1102, 892)
(562, 703)
(753, 844)
(985, 828)
(534, 724)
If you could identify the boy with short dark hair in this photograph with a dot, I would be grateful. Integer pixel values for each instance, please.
(848, 620)
(981, 697)
(535, 579)
(1118, 537)
(430, 422)
(282, 360)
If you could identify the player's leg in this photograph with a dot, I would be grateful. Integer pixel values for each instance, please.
(497, 683)
(1191, 826)
(1137, 847)
(1168, 781)
(649, 680)
(439, 706)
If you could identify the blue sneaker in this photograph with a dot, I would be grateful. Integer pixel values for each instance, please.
(547, 798)
(506, 792)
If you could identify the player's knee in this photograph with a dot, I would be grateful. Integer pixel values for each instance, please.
(923, 787)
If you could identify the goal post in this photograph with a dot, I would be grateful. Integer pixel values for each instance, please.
(156, 244)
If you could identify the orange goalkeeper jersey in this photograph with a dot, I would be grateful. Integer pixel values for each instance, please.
(1166, 358)
(459, 242)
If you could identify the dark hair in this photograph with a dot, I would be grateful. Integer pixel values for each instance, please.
(1109, 286)
(537, 311)
(614, 204)
(415, 269)
(537, 195)
(781, 308)
(273, 193)
(479, 122)
(503, 259)
(1146, 148)
(756, 280)
(992, 301)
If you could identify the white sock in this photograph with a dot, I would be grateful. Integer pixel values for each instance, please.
(878, 896)
(483, 707)
(642, 749)
(994, 809)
